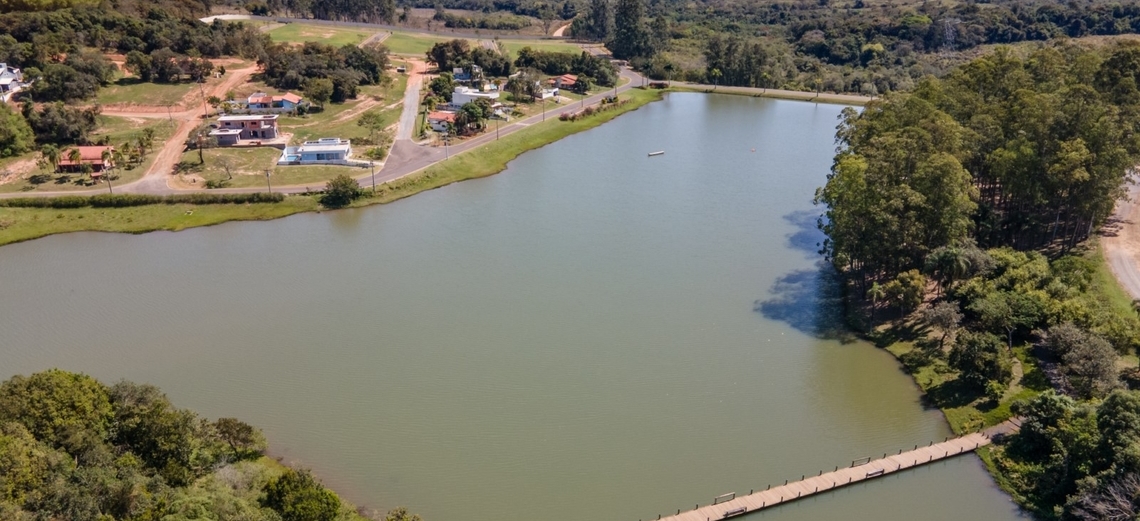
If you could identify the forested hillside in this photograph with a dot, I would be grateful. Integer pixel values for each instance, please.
(960, 216)
(73, 448)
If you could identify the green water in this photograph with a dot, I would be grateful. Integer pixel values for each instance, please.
(592, 334)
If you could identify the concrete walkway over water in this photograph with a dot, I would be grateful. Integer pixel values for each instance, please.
(731, 505)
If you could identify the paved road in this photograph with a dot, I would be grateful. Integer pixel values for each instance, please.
(411, 100)
(1121, 240)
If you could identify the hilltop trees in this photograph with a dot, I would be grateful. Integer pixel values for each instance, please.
(16, 136)
(631, 38)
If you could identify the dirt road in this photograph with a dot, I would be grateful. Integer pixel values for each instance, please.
(1121, 242)
(411, 99)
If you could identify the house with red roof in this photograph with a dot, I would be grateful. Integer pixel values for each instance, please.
(441, 121)
(564, 81)
(260, 101)
(87, 156)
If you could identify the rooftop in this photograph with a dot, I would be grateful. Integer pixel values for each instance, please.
(86, 155)
(249, 117)
(442, 116)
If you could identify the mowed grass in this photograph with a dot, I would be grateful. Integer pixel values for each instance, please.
(336, 121)
(21, 224)
(131, 90)
(514, 46)
(243, 163)
(413, 43)
(248, 165)
(326, 34)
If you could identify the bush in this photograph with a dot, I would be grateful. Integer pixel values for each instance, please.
(340, 192)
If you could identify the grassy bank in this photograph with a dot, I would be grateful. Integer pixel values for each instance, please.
(837, 99)
(22, 224)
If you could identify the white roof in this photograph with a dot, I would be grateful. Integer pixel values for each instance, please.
(323, 148)
(252, 117)
(225, 131)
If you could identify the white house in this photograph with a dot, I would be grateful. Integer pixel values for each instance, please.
(464, 95)
(441, 120)
(11, 81)
(326, 150)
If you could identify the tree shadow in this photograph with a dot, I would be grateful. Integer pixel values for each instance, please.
(39, 179)
(127, 81)
(952, 393)
(807, 237)
(809, 300)
(63, 179)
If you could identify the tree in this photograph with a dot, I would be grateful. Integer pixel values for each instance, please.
(715, 75)
(74, 156)
(54, 405)
(980, 358)
(401, 514)
(450, 54)
(631, 36)
(340, 192)
(875, 293)
(598, 24)
(16, 136)
(1007, 312)
(373, 121)
(298, 496)
(319, 90)
(245, 440)
(49, 156)
(1088, 361)
(162, 436)
(945, 317)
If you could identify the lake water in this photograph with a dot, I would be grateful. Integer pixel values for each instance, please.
(592, 334)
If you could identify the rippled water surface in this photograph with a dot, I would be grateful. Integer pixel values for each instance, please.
(592, 334)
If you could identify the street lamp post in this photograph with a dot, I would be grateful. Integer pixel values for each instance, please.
(544, 108)
(268, 183)
(372, 165)
(205, 111)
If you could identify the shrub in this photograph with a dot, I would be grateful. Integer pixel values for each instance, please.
(340, 192)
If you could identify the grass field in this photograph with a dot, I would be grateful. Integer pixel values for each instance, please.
(136, 92)
(513, 46)
(248, 165)
(340, 119)
(117, 130)
(412, 43)
(21, 224)
(326, 34)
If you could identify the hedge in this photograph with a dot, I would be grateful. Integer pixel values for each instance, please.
(125, 200)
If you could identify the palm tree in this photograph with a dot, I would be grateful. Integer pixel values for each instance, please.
(1136, 305)
(106, 156)
(74, 156)
(50, 154)
(875, 294)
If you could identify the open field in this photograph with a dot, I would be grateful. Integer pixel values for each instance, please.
(513, 46)
(326, 34)
(248, 165)
(413, 43)
(117, 130)
(340, 119)
(131, 90)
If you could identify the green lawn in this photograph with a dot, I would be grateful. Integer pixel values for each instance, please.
(333, 122)
(248, 165)
(134, 91)
(326, 34)
(116, 129)
(21, 224)
(513, 46)
(412, 43)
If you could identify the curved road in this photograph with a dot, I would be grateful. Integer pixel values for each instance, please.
(1121, 241)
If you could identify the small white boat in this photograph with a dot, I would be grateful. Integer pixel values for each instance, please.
(657, 153)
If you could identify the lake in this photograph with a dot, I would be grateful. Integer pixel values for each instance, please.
(591, 334)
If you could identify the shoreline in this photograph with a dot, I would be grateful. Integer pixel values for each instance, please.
(25, 224)
(754, 92)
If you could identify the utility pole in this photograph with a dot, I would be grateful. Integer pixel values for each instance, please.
(109, 189)
(496, 129)
(267, 182)
(544, 107)
(445, 140)
(205, 111)
(372, 165)
(170, 116)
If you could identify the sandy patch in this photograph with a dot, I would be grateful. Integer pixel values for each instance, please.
(17, 170)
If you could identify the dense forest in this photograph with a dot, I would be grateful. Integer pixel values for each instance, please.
(961, 213)
(73, 448)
